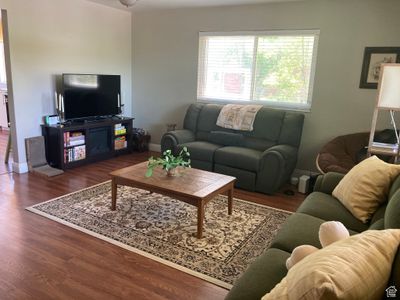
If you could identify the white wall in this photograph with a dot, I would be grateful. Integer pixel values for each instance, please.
(51, 37)
(165, 48)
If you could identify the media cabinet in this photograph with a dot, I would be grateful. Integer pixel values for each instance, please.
(76, 144)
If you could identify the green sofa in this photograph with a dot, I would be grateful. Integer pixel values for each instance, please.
(302, 228)
(261, 160)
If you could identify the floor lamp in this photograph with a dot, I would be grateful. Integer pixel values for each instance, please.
(388, 98)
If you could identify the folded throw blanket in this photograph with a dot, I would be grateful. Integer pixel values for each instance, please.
(238, 117)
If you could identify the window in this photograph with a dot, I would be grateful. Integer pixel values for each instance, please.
(273, 68)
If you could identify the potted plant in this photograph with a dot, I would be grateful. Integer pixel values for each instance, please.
(169, 162)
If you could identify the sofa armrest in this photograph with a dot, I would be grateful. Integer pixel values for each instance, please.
(276, 166)
(326, 183)
(171, 139)
(284, 151)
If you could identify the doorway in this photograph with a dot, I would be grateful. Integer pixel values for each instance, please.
(5, 84)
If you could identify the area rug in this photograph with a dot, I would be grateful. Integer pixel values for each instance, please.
(163, 229)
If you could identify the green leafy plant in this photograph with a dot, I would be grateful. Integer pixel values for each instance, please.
(168, 161)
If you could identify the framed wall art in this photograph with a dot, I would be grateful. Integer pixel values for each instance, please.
(373, 58)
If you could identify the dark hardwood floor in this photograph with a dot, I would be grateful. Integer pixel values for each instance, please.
(42, 259)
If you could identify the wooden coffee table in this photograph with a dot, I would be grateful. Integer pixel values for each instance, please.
(193, 186)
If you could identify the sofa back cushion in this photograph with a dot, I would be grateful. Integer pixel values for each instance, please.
(394, 187)
(226, 138)
(271, 126)
(192, 116)
(392, 212)
(207, 121)
(292, 128)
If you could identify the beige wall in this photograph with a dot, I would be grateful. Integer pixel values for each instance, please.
(165, 60)
(51, 37)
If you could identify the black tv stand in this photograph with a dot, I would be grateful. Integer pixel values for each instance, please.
(83, 141)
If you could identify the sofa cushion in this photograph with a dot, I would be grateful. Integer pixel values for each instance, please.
(394, 187)
(208, 116)
(366, 187)
(191, 117)
(261, 276)
(226, 138)
(267, 124)
(392, 219)
(379, 214)
(299, 229)
(328, 208)
(354, 268)
(199, 150)
(377, 225)
(238, 157)
(202, 165)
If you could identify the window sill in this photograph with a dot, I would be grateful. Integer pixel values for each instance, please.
(269, 104)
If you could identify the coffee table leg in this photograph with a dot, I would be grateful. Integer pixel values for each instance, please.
(113, 194)
(230, 200)
(200, 219)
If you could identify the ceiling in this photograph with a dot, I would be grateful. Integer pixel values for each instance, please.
(165, 4)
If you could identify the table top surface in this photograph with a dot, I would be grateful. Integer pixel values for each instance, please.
(189, 182)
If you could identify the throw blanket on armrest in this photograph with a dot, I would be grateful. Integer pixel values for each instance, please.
(238, 117)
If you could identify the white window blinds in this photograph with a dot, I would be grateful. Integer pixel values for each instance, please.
(275, 68)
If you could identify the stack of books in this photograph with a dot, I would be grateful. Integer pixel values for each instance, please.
(73, 138)
(120, 143)
(74, 154)
(119, 129)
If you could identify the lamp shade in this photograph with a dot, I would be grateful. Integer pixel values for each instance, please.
(128, 3)
(389, 87)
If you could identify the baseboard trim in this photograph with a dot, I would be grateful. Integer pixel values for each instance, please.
(20, 168)
(155, 147)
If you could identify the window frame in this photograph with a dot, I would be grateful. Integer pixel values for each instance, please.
(306, 107)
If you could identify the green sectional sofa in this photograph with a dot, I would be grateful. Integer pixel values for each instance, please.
(261, 160)
(302, 228)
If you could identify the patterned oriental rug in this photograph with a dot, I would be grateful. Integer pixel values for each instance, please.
(163, 229)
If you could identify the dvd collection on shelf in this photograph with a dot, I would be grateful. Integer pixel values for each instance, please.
(74, 143)
(74, 153)
(120, 139)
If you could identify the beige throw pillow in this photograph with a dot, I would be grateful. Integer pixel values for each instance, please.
(354, 268)
(366, 186)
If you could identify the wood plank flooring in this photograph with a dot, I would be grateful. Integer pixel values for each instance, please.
(42, 259)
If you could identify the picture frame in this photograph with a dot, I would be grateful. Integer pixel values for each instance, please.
(373, 58)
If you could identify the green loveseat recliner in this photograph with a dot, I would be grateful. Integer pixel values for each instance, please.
(261, 160)
(302, 228)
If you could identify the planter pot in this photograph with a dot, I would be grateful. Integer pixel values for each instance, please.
(172, 172)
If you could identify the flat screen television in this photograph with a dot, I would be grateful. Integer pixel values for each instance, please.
(90, 96)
